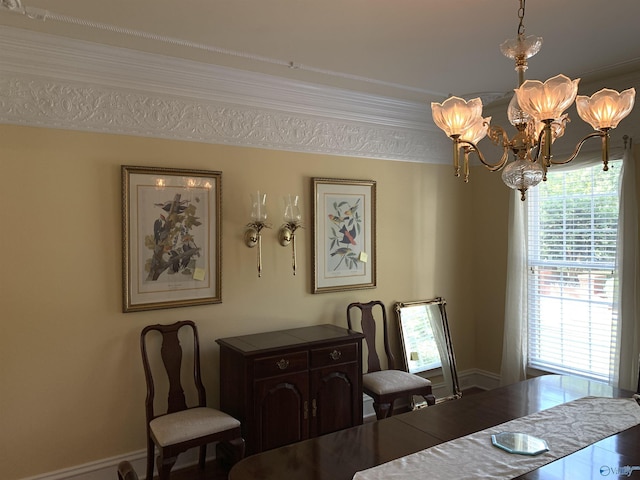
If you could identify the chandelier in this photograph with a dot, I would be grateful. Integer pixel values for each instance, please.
(537, 112)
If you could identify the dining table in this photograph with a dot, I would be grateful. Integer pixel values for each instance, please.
(389, 448)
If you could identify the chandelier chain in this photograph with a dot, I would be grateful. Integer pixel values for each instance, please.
(521, 17)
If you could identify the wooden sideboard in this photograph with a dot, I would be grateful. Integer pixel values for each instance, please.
(290, 385)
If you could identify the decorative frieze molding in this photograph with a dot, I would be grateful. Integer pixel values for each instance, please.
(55, 82)
(36, 101)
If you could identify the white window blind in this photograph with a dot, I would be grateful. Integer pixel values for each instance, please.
(572, 229)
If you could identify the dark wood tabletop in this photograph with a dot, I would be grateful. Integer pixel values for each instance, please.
(339, 455)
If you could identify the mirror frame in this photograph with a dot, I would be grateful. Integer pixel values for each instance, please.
(451, 359)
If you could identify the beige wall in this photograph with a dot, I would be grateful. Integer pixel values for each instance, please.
(72, 383)
(490, 215)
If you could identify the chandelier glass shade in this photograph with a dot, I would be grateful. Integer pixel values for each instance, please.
(455, 116)
(477, 131)
(605, 108)
(537, 111)
(548, 100)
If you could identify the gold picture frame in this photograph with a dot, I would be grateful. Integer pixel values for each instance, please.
(344, 233)
(171, 237)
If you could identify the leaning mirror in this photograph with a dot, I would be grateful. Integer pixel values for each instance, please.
(426, 346)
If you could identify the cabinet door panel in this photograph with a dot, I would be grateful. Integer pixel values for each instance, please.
(335, 398)
(281, 410)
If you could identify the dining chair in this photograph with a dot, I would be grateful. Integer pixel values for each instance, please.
(385, 386)
(182, 427)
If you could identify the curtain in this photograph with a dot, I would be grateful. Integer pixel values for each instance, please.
(627, 264)
(514, 346)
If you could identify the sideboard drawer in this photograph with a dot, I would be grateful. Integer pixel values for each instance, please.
(322, 357)
(280, 364)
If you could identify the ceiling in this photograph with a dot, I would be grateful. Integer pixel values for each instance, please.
(417, 50)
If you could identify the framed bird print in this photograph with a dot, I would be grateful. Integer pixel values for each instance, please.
(171, 237)
(344, 232)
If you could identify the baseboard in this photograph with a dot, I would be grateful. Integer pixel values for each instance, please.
(106, 469)
(477, 378)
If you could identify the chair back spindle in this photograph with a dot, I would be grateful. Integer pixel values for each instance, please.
(171, 353)
(368, 326)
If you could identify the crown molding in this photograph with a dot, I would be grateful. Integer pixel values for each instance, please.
(55, 82)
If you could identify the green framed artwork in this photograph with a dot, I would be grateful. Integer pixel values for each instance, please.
(344, 232)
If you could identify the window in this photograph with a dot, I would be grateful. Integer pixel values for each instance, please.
(572, 230)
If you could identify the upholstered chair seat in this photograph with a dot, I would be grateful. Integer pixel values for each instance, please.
(189, 424)
(386, 382)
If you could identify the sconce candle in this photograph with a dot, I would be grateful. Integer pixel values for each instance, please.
(252, 235)
(292, 219)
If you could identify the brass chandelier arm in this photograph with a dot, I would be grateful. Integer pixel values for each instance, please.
(494, 167)
(603, 134)
(498, 136)
(538, 148)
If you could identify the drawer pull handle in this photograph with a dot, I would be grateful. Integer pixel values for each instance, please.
(282, 364)
(335, 355)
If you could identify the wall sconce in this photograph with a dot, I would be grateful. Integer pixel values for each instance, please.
(292, 219)
(252, 235)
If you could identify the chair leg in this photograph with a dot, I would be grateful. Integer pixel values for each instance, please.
(150, 454)
(238, 448)
(431, 399)
(165, 465)
(126, 471)
(383, 410)
(230, 452)
(203, 457)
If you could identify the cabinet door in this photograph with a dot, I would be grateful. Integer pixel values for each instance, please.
(281, 413)
(336, 401)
